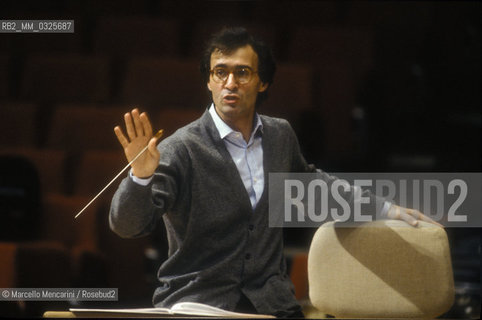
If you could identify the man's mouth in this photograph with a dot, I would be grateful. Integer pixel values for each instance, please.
(230, 98)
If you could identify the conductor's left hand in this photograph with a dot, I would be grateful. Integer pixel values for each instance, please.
(411, 216)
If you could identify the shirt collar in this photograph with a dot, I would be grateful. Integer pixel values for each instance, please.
(225, 130)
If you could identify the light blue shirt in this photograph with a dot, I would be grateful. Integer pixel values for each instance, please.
(247, 156)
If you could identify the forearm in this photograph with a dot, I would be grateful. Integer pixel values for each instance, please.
(132, 213)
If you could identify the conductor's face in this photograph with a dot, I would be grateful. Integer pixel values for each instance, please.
(235, 83)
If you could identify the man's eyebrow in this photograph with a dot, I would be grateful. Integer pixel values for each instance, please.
(223, 65)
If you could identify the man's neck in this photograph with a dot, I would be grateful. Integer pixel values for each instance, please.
(243, 125)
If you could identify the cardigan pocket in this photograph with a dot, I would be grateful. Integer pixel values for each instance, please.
(277, 297)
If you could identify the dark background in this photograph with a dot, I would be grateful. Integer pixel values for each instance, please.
(367, 86)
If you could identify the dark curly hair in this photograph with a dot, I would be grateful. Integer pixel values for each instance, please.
(229, 40)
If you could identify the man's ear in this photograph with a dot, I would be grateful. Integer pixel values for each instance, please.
(209, 85)
(263, 87)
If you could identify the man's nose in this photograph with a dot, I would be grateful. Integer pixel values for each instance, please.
(231, 82)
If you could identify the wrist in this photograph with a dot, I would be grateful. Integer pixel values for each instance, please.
(141, 174)
(139, 180)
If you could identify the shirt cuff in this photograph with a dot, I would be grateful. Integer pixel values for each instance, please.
(386, 207)
(141, 181)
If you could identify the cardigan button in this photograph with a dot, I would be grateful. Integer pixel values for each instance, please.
(251, 227)
(247, 256)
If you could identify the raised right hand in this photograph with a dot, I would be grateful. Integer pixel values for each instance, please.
(139, 134)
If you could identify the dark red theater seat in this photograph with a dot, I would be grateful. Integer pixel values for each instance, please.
(321, 45)
(66, 78)
(291, 91)
(96, 169)
(50, 165)
(171, 119)
(4, 75)
(155, 82)
(84, 127)
(137, 36)
(19, 124)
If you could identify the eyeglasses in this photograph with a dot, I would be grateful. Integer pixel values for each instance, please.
(242, 75)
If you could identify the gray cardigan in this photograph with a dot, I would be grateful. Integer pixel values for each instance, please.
(219, 247)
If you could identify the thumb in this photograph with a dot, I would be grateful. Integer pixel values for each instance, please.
(152, 147)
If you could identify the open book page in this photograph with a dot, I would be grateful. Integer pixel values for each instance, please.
(132, 310)
(194, 308)
(182, 308)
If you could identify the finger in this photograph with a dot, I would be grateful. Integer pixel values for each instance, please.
(120, 136)
(146, 124)
(408, 218)
(152, 147)
(137, 123)
(429, 220)
(130, 126)
(420, 216)
(399, 213)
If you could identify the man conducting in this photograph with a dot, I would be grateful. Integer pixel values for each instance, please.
(208, 182)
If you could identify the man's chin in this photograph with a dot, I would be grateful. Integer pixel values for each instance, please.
(229, 107)
(228, 111)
